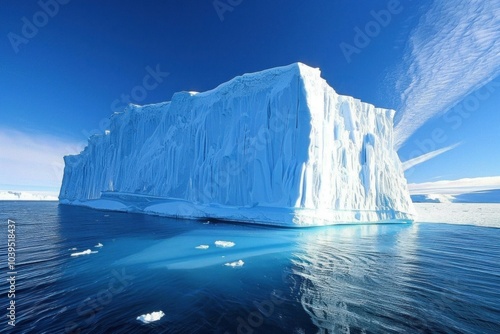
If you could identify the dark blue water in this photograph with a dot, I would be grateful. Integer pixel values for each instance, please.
(409, 278)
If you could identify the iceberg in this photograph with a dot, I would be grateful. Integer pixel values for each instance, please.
(277, 147)
(177, 252)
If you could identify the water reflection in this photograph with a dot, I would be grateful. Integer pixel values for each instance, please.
(346, 278)
(338, 279)
(38, 257)
(353, 278)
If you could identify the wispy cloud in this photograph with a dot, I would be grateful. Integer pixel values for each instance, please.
(455, 187)
(427, 156)
(454, 50)
(32, 161)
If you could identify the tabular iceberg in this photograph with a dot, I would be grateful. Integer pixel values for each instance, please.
(277, 147)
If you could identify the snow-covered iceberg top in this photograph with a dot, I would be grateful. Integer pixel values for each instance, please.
(276, 147)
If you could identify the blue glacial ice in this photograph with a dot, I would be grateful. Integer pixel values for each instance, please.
(276, 147)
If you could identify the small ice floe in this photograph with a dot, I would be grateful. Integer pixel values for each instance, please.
(99, 245)
(224, 244)
(202, 247)
(74, 248)
(85, 252)
(235, 264)
(150, 317)
(207, 222)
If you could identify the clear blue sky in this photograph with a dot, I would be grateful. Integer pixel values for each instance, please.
(58, 82)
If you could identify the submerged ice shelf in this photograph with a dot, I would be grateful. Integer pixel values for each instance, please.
(277, 147)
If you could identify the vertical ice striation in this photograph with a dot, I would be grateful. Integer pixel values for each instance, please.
(278, 147)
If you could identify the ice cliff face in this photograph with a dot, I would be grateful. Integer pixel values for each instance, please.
(278, 147)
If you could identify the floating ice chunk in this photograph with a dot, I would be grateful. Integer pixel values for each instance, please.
(202, 247)
(224, 244)
(238, 263)
(85, 252)
(150, 317)
(99, 245)
(74, 248)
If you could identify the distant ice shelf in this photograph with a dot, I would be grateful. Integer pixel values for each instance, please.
(8, 195)
(483, 196)
(276, 147)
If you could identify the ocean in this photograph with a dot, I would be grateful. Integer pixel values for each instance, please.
(213, 277)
